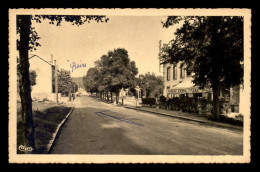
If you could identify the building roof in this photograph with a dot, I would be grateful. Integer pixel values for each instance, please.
(41, 59)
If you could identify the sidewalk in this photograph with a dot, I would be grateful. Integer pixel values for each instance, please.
(178, 114)
(183, 115)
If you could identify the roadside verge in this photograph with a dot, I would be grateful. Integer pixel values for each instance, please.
(48, 117)
(55, 134)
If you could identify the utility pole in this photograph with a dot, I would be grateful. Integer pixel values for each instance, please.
(160, 41)
(56, 81)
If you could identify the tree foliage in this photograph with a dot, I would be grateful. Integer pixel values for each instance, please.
(112, 72)
(33, 76)
(151, 85)
(64, 82)
(211, 47)
(91, 80)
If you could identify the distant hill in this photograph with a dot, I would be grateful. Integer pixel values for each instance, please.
(78, 81)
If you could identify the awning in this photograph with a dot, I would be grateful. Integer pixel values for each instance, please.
(187, 86)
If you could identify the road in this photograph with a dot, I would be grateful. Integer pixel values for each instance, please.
(95, 127)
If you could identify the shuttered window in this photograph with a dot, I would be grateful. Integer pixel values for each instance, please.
(168, 73)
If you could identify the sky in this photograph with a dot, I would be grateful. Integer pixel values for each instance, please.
(85, 44)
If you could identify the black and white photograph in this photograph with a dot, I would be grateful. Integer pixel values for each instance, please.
(129, 85)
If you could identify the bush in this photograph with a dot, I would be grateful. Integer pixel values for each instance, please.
(162, 99)
(203, 103)
(225, 119)
(149, 101)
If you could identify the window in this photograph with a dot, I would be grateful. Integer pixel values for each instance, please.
(174, 71)
(182, 71)
(168, 73)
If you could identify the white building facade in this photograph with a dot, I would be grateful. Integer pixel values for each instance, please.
(178, 83)
(43, 88)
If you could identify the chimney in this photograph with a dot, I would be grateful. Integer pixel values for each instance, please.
(52, 59)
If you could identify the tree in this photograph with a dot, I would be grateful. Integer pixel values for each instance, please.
(91, 80)
(28, 42)
(32, 77)
(151, 85)
(211, 47)
(117, 71)
(65, 85)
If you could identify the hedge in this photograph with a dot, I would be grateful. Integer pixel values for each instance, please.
(149, 101)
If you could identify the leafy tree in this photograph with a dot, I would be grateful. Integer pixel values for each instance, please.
(91, 80)
(211, 47)
(105, 76)
(65, 85)
(33, 76)
(151, 85)
(117, 71)
(28, 42)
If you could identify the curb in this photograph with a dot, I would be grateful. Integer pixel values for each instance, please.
(189, 119)
(54, 135)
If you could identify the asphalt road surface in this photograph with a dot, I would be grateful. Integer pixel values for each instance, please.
(95, 127)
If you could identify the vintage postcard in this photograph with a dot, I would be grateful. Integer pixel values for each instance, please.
(129, 85)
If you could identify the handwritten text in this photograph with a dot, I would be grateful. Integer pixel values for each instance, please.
(75, 66)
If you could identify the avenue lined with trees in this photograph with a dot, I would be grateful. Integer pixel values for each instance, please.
(115, 71)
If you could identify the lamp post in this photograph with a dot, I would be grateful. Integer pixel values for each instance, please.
(138, 90)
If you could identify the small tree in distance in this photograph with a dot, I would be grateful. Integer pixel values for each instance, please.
(33, 76)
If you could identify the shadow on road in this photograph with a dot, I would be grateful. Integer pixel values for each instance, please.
(87, 131)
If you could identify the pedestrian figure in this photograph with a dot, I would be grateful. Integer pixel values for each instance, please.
(167, 103)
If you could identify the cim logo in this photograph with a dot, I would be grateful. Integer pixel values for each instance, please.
(24, 148)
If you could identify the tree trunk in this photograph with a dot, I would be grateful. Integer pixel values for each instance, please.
(107, 96)
(117, 96)
(111, 93)
(24, 83)
(216, 102)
